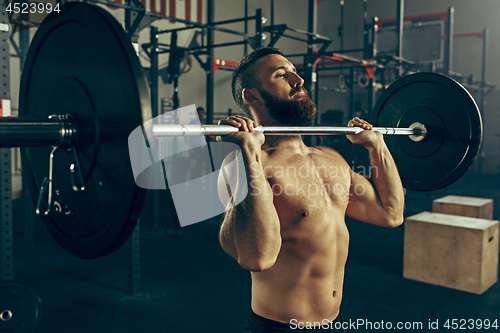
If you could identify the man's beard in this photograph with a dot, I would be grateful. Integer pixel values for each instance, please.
(294, 112)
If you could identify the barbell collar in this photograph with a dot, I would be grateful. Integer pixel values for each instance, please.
(57, 131)
(163, 130)
(420, 131)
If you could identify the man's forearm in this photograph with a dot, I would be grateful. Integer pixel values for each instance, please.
(385, 178)
(253, 224)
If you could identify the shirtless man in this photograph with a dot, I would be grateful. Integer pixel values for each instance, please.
(290, 231)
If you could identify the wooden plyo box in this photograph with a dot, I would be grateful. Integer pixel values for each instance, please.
(464, 206)
(451, 251)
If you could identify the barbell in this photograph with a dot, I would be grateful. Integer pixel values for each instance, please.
(83, 92)
(416, 131)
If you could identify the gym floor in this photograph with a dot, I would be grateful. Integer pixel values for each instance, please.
(188, 284)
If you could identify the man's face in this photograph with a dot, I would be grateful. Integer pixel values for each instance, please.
(285, 98)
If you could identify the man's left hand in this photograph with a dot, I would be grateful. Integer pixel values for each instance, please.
(367, 138)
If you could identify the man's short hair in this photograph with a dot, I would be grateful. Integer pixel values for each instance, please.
(245, 75)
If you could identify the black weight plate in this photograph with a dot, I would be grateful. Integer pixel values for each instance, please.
(20, 308)
(82, 63)
(454, 125)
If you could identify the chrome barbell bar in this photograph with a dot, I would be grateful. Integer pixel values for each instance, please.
(416, 131)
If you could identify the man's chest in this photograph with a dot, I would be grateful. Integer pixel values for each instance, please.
(307, 185)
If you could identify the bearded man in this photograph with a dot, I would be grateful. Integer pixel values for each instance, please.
(290, 231)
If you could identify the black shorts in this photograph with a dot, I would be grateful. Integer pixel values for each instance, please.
(258, 324)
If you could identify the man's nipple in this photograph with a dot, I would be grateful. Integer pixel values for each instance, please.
(304, 212)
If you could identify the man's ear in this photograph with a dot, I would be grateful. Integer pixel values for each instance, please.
(251, 96)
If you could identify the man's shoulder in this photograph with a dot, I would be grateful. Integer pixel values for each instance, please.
(331, 153)
(328, 150)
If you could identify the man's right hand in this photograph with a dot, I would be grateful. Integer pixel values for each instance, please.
(246, 135)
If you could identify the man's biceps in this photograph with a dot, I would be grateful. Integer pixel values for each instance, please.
(358, 180)
(362, 190)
